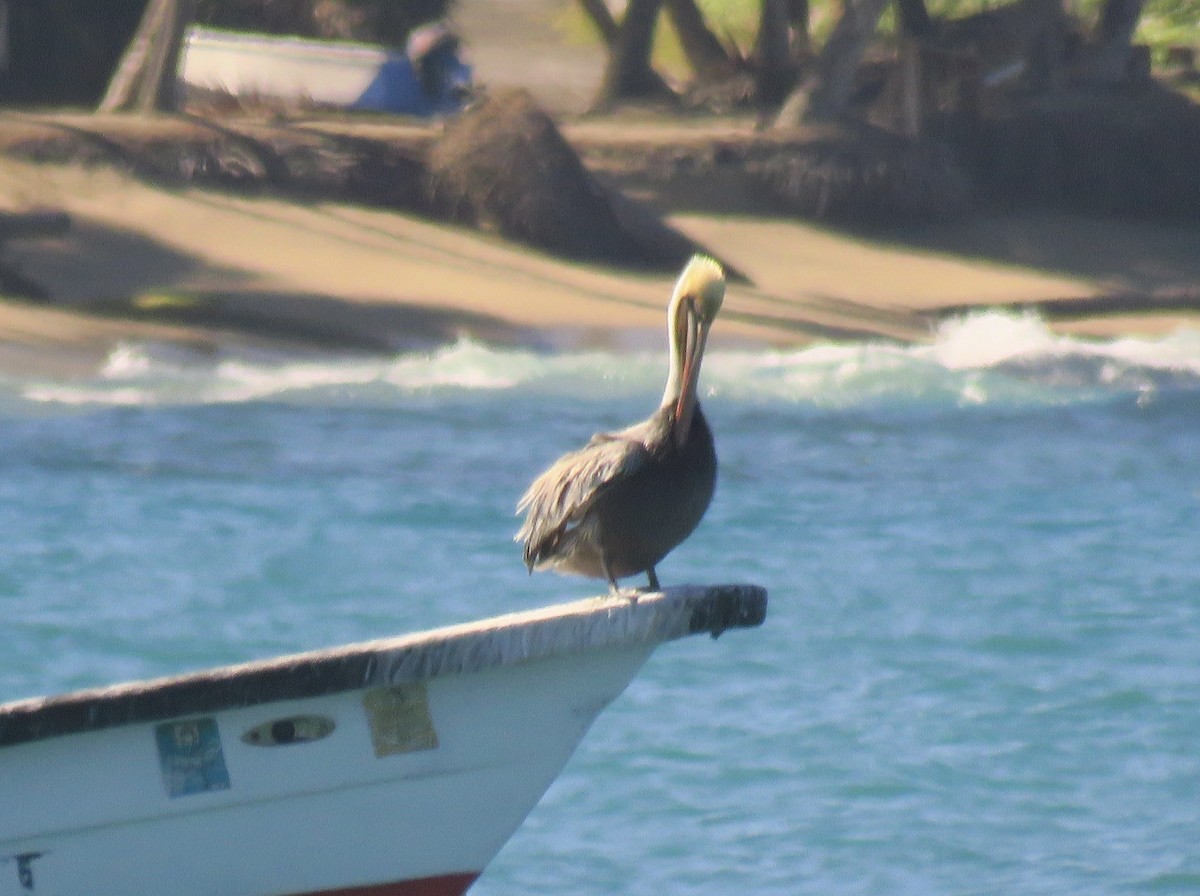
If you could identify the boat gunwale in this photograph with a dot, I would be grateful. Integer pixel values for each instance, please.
(293, 47)
(511, 639)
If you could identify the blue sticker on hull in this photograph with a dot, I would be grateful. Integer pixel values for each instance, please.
(191, 757)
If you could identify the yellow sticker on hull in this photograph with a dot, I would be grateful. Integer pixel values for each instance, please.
(399, 719)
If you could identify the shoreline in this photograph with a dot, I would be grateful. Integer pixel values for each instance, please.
(212, 270)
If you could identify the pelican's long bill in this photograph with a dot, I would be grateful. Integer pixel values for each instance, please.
(698, 295)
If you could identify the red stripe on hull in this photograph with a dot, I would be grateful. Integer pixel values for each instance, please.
(442, 885)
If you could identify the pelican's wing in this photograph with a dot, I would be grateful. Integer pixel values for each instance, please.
(562, 495)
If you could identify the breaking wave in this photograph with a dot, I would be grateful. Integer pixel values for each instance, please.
(983, 358)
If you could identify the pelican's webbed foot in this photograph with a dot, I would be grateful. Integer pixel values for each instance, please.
(630, 594)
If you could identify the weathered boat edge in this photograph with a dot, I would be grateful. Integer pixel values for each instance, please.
(521, 637)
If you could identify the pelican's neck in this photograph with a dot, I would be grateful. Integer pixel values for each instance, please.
(686, 335)
(675, 349)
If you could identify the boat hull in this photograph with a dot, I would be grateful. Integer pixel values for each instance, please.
(398, 766)
(326, 816)
(360, 77)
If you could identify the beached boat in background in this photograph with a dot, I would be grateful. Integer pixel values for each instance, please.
(427, 78)
(391, 767)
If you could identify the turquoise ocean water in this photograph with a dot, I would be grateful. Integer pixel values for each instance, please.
(981, 668)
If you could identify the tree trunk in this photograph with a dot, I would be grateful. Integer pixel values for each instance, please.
(628, 74)
(911, 111)
(1118, 21)
(826, 92)
(781, 48)
(914, 18)
(1107, 60)
(915, 26)
(4, 52)
(704, 52)
(797, 16)
(598, 12)
(145, 79)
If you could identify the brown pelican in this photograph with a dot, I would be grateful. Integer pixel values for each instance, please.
(617, 506)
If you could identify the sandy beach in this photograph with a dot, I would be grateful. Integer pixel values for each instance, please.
(208, 269)
(216, 269)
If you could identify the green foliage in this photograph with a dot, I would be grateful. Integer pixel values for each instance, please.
(734, 18)
(1164, 23)
(1170, 23)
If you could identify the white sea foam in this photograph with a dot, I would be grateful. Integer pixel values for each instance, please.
(126, 361)
(977, 359)
(463, 365)
(988, 339)
(88, 395)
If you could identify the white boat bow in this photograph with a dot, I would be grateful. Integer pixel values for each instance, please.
(396, 767)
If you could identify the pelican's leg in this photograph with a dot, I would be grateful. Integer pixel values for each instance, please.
(653, 576)
(612, 581)
(616, 590)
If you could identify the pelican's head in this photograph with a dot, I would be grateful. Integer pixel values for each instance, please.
(704, 281)
(698, 295)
